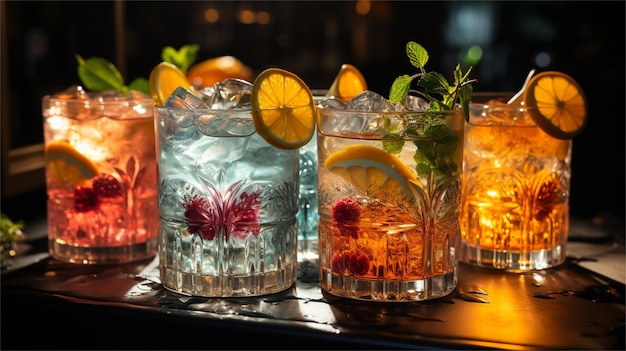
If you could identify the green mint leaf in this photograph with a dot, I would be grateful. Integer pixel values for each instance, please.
(400, 89)
(458, 75)
(140, 84)
(465, 96)
(392, 143)
(418, 56)
(434, 140)
(432, 85)
(434, 82)
(182, 58)
(98, 74)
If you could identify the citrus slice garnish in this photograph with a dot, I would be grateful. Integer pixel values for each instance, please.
(66, 164)
(372, 170)
(164, 79)
(348, 83)
(208, 72)
(557, 104)
(282, 109)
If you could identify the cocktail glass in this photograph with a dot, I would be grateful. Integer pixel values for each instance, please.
(389, 199)
(100, 176)
(516, 181)
(227, 198)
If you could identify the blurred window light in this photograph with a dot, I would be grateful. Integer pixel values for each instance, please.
(263, 17)
(246, 16)
(470, 23)
(363, 7)
(212, 15)
(543, 59)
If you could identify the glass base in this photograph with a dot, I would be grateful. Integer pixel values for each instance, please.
(389, 290)
(62, 251)
(514, 261)
(192, 284)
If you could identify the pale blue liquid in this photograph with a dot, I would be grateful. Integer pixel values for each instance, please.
(241, 260)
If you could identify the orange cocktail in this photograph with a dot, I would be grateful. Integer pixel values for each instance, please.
(516, 176)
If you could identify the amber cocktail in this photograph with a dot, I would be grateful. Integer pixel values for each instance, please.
(516, 189)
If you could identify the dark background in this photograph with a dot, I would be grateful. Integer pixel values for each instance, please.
(584, 39)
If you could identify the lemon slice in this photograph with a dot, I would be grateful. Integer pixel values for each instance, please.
(348, 83)
(282, 109)
(66, 164)
(557, 104)
(208, 72)
(372, 170)
(164, 79)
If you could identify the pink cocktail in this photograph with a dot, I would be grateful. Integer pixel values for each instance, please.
(100, 176)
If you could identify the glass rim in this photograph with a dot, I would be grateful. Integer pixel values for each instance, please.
(56, 100)
(390, 113)
(222, 110)
(486, 106)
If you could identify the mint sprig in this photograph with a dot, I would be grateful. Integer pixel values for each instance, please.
(435, 140)
(182, 58)
(98, 74)
(433, 86)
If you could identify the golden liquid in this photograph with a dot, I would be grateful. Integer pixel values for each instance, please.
(515, 196)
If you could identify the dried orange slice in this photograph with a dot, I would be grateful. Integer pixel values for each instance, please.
(557, 104)
(65, 164)
(208, 72)
(164, 79)
(348, 83)
(282, 109)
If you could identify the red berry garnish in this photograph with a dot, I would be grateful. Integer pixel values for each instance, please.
(346, 211)
(548, 194)
(202, 218)
(340, 262)
(239, 218)
(106, 185)
(359, 263)
(85, 199)
(350, 262)
(243, 217)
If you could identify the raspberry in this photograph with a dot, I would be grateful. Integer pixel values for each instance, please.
(340, 262)
(346, 211)
(350, 262)
(85, 199)
(359, 263)
(106, 185)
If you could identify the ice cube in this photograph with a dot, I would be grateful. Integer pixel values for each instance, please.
(332, 103)
(228, 94)
(226, 123)
(369, 101)
(413, 103)
(183, 98)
